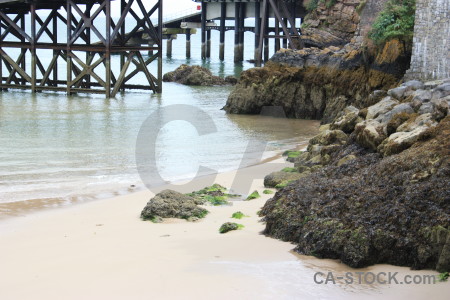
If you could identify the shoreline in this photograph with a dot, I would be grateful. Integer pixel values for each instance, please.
(101, 249)
(17, 209)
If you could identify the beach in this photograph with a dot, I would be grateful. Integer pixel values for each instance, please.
(103, 250)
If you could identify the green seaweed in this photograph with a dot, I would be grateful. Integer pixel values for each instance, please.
(229, 226)
(289, 170)
(238, 215)
(268, 192)
(254, 195)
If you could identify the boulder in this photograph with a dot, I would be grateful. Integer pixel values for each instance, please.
(398, 109)
(417, 121)
(329, 137)
(399, 141)
(441, 91)
(398, 92)
(369, 134)
(171, 204)
(381, 107)
(422, 95)
(414, 84)
(426, 108)
(347, 121)
(275, 178)
(193, 75)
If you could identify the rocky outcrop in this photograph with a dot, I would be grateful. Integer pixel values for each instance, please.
(317, 84)
(196, 75)
(379, 191)
(171, 204)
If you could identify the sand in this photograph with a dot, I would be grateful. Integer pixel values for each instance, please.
(102, 250)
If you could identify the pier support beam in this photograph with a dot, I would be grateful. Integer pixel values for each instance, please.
(169, 47)
(237, 8)
(203, 31)
(241, 30)
(208, 43)
(223, 15)
(257, 29)
(188, 43)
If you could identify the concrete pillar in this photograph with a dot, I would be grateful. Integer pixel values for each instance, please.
(241, 30)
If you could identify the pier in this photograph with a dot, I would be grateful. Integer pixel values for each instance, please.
(89, 37)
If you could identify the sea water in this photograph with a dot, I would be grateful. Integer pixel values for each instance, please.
(70, 148)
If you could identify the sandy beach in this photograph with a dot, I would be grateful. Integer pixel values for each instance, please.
(102, 250)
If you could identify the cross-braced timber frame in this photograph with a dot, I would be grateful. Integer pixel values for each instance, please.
(80, 59)
(283, 18)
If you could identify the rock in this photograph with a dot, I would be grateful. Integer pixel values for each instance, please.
(422, 96)
(396, 121)
(372, 209)
(231, 80)
(171, 204)
(441, 108)
(417, 121)
(376, 96)
(399, 141)
(347, 122)
(229, 226)
(345, 159)
(193, 75)
(329, 137)
(398, 92)
(404, 108)
(414, 84)
(426, 108)
(369, 134)
(275, 178)
(324, 127)
(381, 107)
(441, 91)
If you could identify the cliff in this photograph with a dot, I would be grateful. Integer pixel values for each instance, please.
(374, 184)
(340, 69)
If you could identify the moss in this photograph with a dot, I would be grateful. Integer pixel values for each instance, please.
(214, 194)
(254, 195)
(443, 276)
(290, 170)
(229, 226)
(361, 6)
(238, 215)
(268, 192)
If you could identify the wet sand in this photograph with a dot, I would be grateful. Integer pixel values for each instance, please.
(102, 250)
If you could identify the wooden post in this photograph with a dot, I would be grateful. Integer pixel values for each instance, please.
(266, 33)
(169, 47)
(33, 46)
(277, 32)
(241, 30)
(203, 33)
(223, 15)
(208, 43)
(55, 52)
(237, 6)
(68, 54)
(188, 43)
(257, 30)
(285, 41)
(160, 33)
(1, 60)
(108, 50)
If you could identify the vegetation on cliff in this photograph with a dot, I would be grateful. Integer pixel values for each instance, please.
(396, 21)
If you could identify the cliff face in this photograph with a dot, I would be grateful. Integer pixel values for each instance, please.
(317, 84)
(319, 81)
(375, 184)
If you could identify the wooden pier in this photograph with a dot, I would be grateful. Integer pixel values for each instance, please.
(84, 49)
(284, 12)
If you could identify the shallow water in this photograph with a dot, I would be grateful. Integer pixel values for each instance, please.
(61, 149)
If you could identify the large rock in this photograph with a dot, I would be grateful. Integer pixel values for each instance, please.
(329, 137)
(372, 210)
(399, 92)
(416, 122)
(404, 108)
(414, 84)
(399, 141)
(369, 134)
(381, 107)
(171, 204)
(275, 178)
(194, 75)
(347, 121)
